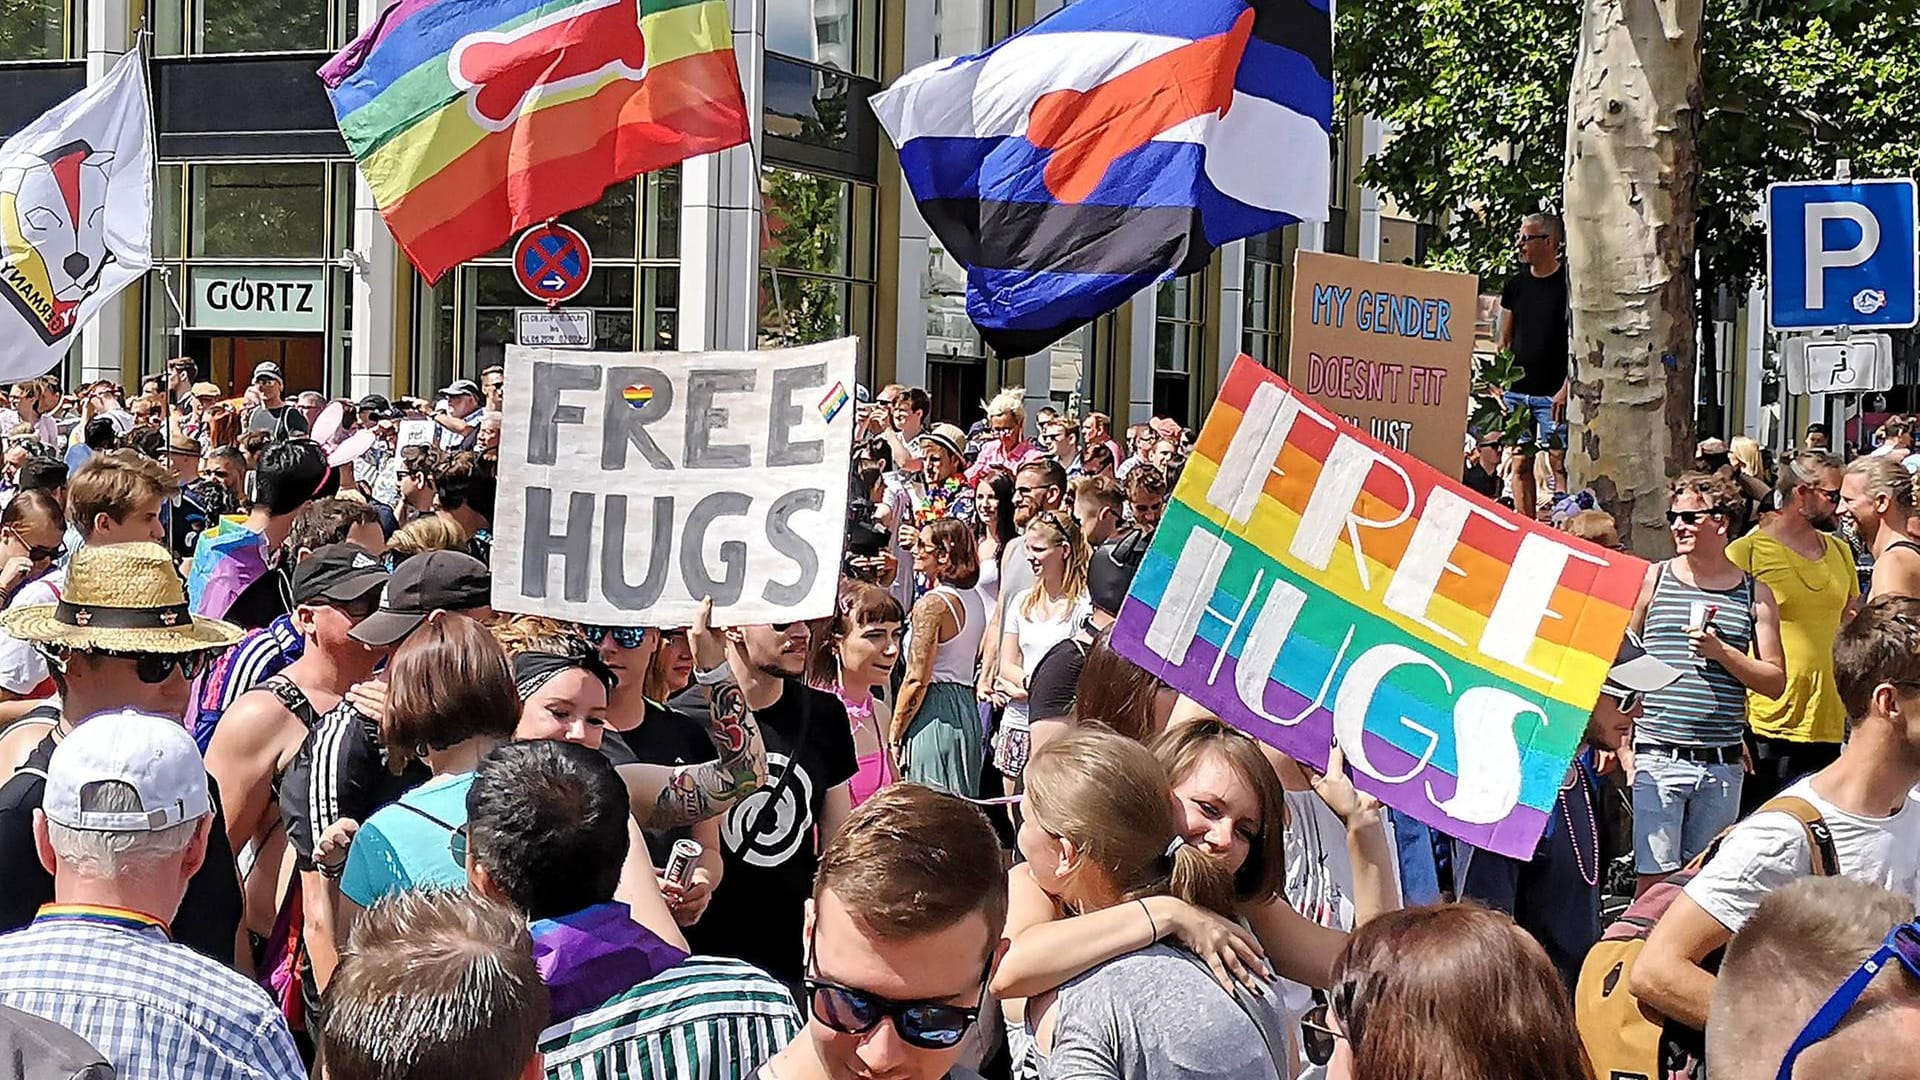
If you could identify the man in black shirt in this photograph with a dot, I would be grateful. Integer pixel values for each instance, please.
(1538, 328)
(771, 839)
(1482, 474)
(120, 636)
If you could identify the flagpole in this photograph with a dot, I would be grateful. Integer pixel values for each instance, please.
(145, 42)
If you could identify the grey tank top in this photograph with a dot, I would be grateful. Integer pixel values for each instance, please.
(1706, 706)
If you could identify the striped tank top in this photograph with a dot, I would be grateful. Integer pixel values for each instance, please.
(1706, 706)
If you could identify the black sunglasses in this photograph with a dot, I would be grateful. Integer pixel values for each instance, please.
(1318, 1038)
(1693, 517)
(627, 637)
(922, 1024)
(156, 668)
(457, 846)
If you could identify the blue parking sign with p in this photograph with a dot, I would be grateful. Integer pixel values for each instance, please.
(1843, 254)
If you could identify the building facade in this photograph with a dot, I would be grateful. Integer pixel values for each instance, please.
(268, 246)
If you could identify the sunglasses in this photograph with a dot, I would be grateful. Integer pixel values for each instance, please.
(1318, 1037)
(153, 668)
(926, 1025)
(627, 637)
(457, 846)
(1694, 517)
(1628, 700)
(1832, 494)
(1902, 945)
(358, 609)
(1528, 238)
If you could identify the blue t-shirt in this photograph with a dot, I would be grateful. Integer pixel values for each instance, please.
(404, 845)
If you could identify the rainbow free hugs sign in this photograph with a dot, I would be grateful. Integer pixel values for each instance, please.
(1310, 585)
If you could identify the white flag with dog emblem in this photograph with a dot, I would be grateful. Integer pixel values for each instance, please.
(76, 216)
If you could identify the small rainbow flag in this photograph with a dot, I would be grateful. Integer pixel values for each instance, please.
(474, 119)
(1311, 586)
(835, 400)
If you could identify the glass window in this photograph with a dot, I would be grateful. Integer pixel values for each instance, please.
(1264, 311)
(820, 242)
(841, 34)
(40, 29)
(1179, 336)
(959, 27)
(203, 27)
(234, 26)
(259, 211)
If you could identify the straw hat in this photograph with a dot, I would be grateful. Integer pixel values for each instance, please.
(121, 598)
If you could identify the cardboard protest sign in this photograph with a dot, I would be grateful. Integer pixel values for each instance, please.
(1311, 585)
(1388, 348)
(416, 433)
(634, 484)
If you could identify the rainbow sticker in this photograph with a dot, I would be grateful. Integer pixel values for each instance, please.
(637, 395)
(835, 400)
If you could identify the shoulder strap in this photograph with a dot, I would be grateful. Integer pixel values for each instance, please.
(404, 805)
(295, 699)
(1826, 861)
(1907, 544)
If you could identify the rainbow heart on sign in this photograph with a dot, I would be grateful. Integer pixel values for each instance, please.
(637, 395)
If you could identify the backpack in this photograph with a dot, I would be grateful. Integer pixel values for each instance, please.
(1625, 1039)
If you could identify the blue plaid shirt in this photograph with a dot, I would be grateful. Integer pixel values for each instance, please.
(156, 1010)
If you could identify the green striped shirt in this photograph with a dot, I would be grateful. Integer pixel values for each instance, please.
(707, 1018)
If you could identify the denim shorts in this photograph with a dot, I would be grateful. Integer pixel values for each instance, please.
(1546, 428)
(1679, 806)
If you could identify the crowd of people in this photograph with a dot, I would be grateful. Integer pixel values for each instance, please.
(283, 793)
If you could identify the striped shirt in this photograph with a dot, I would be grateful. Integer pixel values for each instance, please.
(1706, 706)
(256, 657)
(707, 1018)
(157, 1010)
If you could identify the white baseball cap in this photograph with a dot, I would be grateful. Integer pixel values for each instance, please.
(154, 755)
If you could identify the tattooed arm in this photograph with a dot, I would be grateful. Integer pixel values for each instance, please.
(663, 796)
(666, 796)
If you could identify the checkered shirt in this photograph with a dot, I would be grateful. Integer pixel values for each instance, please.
(155, 1009)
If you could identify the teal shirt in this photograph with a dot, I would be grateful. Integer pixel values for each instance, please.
(405, 844)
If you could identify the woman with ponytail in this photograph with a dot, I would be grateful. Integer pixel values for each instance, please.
(1037, 620)
(1100, 833)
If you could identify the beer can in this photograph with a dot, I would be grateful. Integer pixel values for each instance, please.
(681, 859)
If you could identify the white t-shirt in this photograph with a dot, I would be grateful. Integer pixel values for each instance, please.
(1036, 637)
(22, 665)
(1767, 851)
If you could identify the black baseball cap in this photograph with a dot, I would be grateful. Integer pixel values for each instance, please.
(374, 403)
(429, 582)
(338, 572)
(1110, 571)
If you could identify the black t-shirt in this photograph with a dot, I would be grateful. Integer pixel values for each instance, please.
(339, 772)
(268, 598)
(666, 737)
(1056, 681)
(1541, 323)
(1549, 896)
(1480, 480)
(769, 839)
(209, 916)
(283, 422)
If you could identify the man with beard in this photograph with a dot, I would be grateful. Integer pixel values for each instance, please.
(1811, 572)
(772, 839)
(1720, 630)
(1877, 493)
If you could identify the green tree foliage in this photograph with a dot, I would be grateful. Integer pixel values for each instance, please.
(1476, 91)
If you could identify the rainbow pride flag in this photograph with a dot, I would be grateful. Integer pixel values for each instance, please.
(474, 119)
(1311, 585)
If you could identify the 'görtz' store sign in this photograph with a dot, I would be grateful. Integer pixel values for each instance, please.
(281, 299)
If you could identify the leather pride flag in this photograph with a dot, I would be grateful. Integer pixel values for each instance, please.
(1112, 144)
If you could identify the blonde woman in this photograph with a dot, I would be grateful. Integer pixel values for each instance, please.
(421, 535)
(1037, 620)
(1878, 493)
(1007, 446)
(1100, 832)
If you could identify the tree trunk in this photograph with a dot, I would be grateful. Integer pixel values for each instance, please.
(1632, 170)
